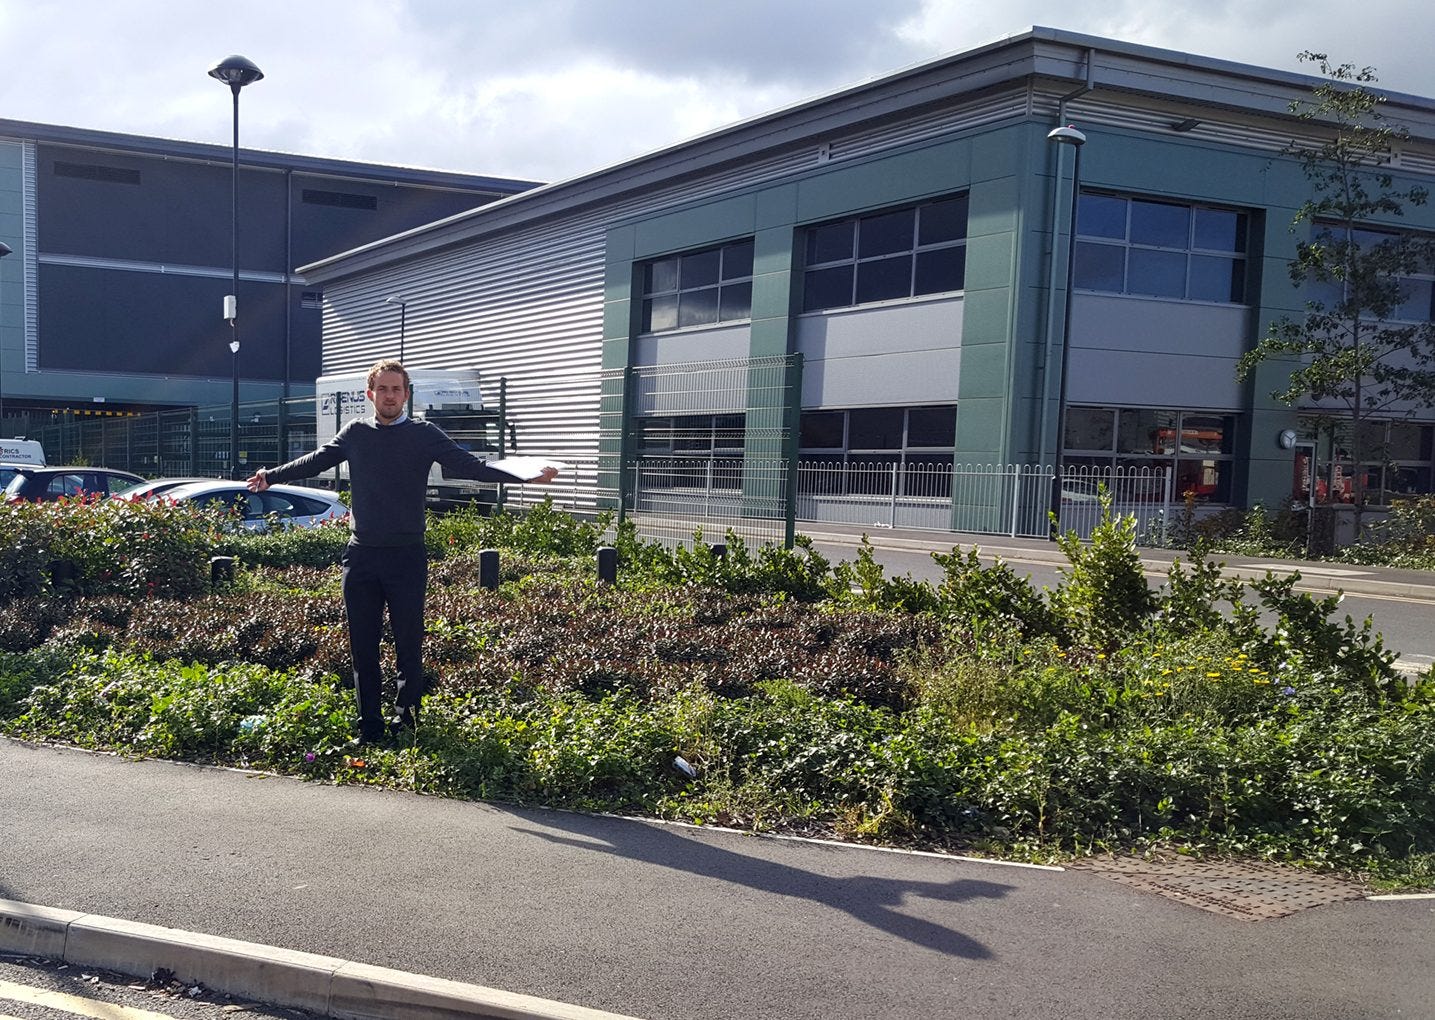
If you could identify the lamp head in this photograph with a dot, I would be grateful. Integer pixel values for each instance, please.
(236, 71)
(1066, 136)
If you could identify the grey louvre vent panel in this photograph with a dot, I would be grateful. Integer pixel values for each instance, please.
(97, 172)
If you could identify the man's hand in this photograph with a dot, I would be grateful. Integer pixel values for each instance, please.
(545, 476)
(257, 482)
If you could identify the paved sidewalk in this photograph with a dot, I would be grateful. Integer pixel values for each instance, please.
(1390, 582)
(640, 919)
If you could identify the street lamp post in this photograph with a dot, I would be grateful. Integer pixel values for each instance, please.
(236, 72)
(1065, 136)
(4, 250)
(403, 304)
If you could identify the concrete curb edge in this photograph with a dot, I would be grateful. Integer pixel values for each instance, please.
(326, 985)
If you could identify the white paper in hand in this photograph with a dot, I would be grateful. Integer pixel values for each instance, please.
(524, 468)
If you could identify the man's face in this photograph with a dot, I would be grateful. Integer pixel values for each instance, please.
(388, 396)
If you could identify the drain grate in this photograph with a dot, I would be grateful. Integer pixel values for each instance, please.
(1249, 890)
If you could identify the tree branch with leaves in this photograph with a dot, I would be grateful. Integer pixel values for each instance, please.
(1359, 346)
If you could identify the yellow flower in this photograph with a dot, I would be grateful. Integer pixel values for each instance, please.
(1214, 676)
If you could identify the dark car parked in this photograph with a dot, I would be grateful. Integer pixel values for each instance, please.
(43, 484)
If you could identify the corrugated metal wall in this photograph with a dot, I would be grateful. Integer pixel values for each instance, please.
(528, 305)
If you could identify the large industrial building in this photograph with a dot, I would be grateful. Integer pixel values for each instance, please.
(858, 307)
(121, 253)
(879, 275)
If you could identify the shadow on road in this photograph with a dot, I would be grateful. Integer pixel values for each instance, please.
(873, 901)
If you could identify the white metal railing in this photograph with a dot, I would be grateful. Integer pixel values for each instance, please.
(671, 498)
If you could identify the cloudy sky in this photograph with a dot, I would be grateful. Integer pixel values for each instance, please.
(547, 89)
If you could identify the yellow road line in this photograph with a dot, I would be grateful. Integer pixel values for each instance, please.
(76, 1004)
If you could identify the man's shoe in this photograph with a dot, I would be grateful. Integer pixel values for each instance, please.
(407, 719)
(371, 733)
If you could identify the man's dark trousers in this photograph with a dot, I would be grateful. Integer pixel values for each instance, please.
(375, 576)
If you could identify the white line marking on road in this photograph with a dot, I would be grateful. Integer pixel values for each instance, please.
(1404, 896)
(76, 1004)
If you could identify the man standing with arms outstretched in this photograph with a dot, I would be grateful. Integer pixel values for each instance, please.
(386, 563)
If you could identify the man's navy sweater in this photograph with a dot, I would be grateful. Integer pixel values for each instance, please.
(388, 474)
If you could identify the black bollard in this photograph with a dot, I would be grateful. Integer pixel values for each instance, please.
(488, 569)
(607, 565)
(64, 573)
(719, 550)
(221, 570)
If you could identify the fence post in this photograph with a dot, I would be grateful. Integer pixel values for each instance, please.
(1015, 497)
(892, 505)
(1166, 487)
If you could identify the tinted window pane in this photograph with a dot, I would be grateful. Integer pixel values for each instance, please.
(1100, 267)
(830, 243)
(1217, 279)
(941, 270)
(737, 261)
(735, 302)
(882, 279)
(661, 276)
(697, 307)
(1146, 431)
(827, 288)
(875, 428)
(1207, 481)
(1158, 273)
(882, 235)
(1409, 442)
(1205, 434)
(1090, 428)
(700, 269)
(660, 313)
(821, 430)
(692, 432)
(932, 426)
(1220, 230)
(942, 221)
(728, 431)
(656, 434)
(1160, 223)
(1101, 216)
(1415, 301)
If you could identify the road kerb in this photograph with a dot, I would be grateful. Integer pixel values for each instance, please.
(326, 985)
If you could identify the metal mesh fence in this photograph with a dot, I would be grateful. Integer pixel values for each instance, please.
(700, 448)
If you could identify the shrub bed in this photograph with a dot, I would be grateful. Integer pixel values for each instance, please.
(976, 714)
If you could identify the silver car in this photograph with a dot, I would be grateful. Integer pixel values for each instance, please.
(291, 506)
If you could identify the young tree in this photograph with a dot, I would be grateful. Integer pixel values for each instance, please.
(1365, 343)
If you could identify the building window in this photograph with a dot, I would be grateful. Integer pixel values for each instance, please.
(1396, 457)
(698, 288)
(859, 450)
(1195, 445)
(888, 255)
(699, 451)
(311, 299)
(1413, 296)
(1160, 249)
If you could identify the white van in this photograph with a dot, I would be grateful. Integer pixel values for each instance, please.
(450, 398)
(22, 451)
(18, 453)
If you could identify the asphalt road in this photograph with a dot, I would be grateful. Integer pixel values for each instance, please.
(668, 923)
(1405, 624)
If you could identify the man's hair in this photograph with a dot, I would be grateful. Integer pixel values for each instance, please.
(389, 365)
